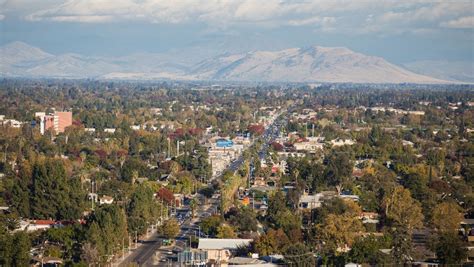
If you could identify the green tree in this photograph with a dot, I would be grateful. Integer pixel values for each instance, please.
(210, 224)
(142, 209)
(450, 249)
(367, 250)
(298, 254)
(21, 254)
(52, 194)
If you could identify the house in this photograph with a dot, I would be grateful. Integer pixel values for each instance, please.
(310, 201)
(106, 200)
(310, 144)
(316, 200)
(369, 217)
(219, 251)
(342, 142)
(47, 261)
(35, 225)
(407, 143)
(109, 130)
(12, 123)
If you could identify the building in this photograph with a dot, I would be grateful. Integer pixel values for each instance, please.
(316, 200)
(219, 251)
(310, 144)
(342, 142)
(11, 123)
(57, 121)
(35, 225)
(106, 200)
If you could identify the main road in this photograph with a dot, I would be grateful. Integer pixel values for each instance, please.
(151, 252)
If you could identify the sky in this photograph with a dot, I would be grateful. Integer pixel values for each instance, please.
(399, 31)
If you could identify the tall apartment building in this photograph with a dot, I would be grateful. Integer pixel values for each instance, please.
(57, 121)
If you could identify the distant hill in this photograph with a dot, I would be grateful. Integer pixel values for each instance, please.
(458, 71)
(311, 64)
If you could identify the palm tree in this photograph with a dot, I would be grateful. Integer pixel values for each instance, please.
(193, 205)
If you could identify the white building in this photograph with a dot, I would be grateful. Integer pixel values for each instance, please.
(106, 200)
(219, 251)
(342, 142)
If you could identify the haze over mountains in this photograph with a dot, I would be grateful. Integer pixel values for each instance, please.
(311, 64)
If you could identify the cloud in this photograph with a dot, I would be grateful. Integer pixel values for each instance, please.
(2, 17)
(370, 16)
(324, 21)
(460, 23)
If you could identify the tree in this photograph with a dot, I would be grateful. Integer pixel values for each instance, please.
(15, 249)
(142, 209)
(367, 250)
(447, 217)
(210, 225)
(339, 231)
(405, 214)
(22, 244)
(193, 205)
(402, 209)
(52, 194)
(450, 249)
(298, 254)
(272, 242)
(226, 231)
(338, 170)
(132, 169)
(89, 253)
(245, 220)
(170, 228)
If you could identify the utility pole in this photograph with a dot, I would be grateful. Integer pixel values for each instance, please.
(177, 148)
(161, 212)
(123, 248)
(253, 200)
(169, 147)
(92, 195)
(136, 239)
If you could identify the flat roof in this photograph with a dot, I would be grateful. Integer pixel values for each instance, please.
(216, 243)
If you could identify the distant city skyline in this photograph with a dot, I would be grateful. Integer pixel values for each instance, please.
(400, 31)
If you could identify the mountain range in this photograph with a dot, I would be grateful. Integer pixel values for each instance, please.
(310, 64)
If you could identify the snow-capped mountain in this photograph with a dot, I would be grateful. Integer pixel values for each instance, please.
(312, 64)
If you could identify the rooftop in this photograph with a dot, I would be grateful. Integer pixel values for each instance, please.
(216, 243)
